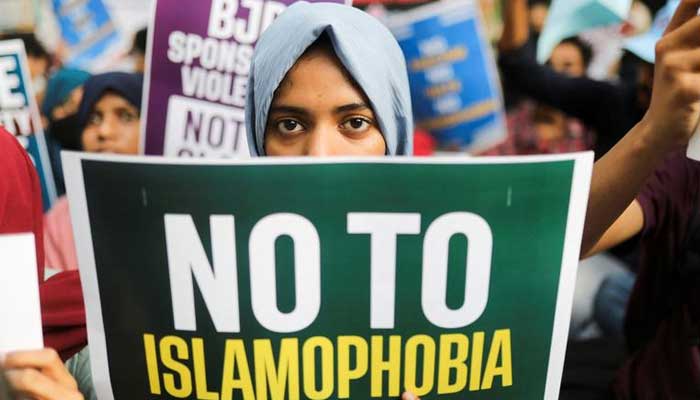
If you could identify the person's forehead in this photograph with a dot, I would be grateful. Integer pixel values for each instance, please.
(111, 98)
(567, 49)
(319, 73)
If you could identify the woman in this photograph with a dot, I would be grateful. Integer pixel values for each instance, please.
(355, 98)
(107, 121)
(108, 118)
(64, 92)
(314, 93)
(38, 374)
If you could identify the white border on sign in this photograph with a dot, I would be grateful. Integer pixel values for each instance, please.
(147, 77)
(16, 46)
(80, 219)
(578, 203)
(75, 185)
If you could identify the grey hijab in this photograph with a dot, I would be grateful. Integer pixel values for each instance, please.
(364, 46)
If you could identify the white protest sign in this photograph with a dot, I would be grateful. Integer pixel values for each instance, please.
(20, 309)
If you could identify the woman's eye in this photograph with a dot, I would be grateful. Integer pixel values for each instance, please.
(289, 126)
(95, 119)
(356, 124)
(127, 117)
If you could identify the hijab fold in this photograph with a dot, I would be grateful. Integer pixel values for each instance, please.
(60, 86)
(364, 46)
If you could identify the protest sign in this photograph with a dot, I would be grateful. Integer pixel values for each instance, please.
(20, 312)
(19, 113)
(568, 18)
(87, 29)
(17, 15)
(337, 278)
(454, 83)
(198, 59)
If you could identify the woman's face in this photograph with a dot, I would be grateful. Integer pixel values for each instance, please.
(567, 59)
(319, 111)
(113, 126)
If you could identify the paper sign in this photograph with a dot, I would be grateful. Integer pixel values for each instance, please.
(19, 113)
(88, 30)
(20, 309)
(567, 18)
(455, 90)
(198, 59)
(693, 151)
(328, 279)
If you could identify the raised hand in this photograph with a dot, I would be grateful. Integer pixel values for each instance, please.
(674, 112)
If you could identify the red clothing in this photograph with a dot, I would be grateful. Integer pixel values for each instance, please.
(523, 137)
(423, 143)
(20, 194)
(62, 309)
(663, 314)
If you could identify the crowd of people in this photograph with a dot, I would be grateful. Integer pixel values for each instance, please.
(644, 313)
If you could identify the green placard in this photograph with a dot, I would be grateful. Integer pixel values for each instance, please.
(328, 279)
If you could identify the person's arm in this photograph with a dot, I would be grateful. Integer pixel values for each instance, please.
(40, 374)
(587, 99)
(516, 25)
(670, 121)
(626, 226)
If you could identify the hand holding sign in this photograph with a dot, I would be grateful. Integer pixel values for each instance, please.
(40, 374)
(675, 105)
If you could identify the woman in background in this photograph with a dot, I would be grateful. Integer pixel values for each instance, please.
(64, 92)
(108, 120)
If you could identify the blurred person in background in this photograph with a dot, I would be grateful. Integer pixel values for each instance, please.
(107, 121)
(539, 9)
(535, 128)
(609, 109)
(603, 282)
(64, 92)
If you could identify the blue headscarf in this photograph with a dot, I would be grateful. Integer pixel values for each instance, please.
(129, 86)
(365, 48)
(60, 86)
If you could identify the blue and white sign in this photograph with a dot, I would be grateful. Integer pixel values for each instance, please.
(87, 29)
(568, 18)
(19, 113)
(455, 89)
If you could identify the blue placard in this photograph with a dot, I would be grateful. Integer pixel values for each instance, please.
(87, 29)
(19, 114)
(454, 85)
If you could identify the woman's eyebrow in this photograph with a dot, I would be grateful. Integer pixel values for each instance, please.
(351, 107)
(288, 110)
(126, 109)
